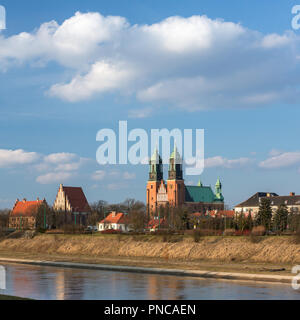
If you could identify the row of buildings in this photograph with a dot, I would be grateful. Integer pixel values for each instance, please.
(199, 200)
(69, 200)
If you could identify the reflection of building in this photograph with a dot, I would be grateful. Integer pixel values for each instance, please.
(24, 214)
(114, 221)
(175, 193)
(252, 204)
(161, 287)
(72, 200)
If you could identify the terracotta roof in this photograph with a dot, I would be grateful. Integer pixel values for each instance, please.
(77, 199)
(26, 208)
(113, 217)
(197, 214)
(154, 223)
(222, 213)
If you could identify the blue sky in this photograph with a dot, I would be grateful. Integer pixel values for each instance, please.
(156, 64)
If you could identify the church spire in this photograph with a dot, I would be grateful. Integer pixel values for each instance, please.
(218, 190)
(175, 165)
(156, 170)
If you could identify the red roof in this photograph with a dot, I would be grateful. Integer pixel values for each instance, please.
(26, 208)
(197, 214)
(114, 217)
(154, 223)
(222, 213)
(77, 199)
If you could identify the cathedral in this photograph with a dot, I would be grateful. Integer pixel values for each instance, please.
(175, 193)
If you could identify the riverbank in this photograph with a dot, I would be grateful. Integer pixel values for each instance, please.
(162, 271)
(268, 256)
(5, 297)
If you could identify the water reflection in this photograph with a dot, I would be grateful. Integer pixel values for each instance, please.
(65, 284)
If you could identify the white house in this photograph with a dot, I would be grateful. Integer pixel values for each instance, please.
(115, 221)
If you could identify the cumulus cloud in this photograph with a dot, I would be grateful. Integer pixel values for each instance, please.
(219, 161)
(53, 177)
(285, 159)
(62, 157)
(193, 63)
(16, 157)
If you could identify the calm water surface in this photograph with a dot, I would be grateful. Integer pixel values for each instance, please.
(50, 283)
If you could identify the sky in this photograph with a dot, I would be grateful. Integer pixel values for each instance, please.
(71, 68)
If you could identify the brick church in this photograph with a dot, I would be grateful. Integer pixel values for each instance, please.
(175, 193)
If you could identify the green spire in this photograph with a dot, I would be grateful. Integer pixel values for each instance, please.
(218, 183)
(218, 189)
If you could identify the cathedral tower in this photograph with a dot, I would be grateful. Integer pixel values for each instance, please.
(175, 183)
(155, 177)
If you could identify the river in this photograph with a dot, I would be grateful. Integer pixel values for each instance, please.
(50, 283)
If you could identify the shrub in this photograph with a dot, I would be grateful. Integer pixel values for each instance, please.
(254, 239)
(258, 231)
(197, 235)
(72, 229)
(296, 237)
(111, 231)
(229, 232)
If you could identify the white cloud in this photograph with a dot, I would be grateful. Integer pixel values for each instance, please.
(103, 77)
(99, 175)
(116, 186)
(53, 177)
(140, 113)
(57, 158)
(16, 157)
(275, 152)
(286, 159)
(219, 161)
(193, 63)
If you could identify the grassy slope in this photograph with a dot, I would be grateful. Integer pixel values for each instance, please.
(214, 253)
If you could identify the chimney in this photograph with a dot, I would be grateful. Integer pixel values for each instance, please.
(113, 213)
(37, 199)
(24, 200)
(292, 194)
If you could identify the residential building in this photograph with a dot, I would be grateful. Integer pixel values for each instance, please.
(24, 214)
(115, 221)
(157, 224)
(251, 205)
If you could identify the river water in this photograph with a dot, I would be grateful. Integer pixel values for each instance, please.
(49, 283)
